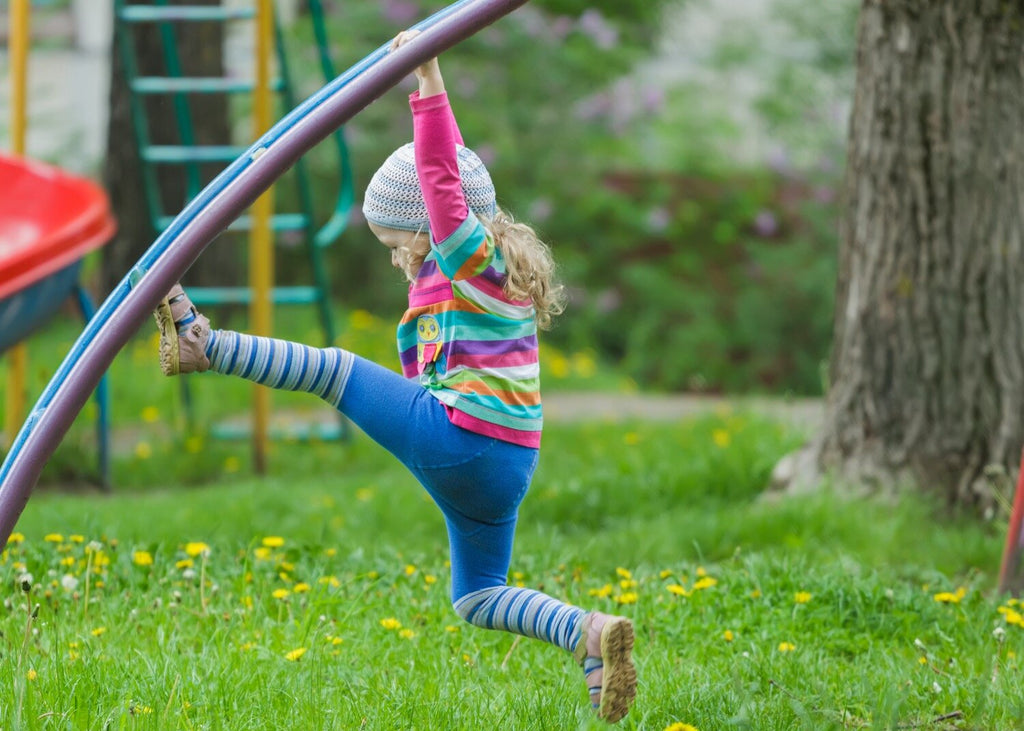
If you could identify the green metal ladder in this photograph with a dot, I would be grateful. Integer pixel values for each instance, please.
(168, 20)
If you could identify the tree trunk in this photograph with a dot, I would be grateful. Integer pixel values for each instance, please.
(200, 46)
(927, 368)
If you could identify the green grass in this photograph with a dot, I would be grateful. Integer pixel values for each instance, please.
(202, 642)
(817, 612)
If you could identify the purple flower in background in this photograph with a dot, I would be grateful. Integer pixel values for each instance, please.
(658, 220)
(654, 99)
(533, 22)
(486, 153)
(400, 12)
(593, 24)
(467, 86)
(561, 27)
(824, 194)
(541, 209)
(594, 107)
(765, 224)
(778, 160)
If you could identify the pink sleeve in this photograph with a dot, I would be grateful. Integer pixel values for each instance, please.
(435, 134)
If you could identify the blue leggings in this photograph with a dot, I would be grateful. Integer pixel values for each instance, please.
(476, 481)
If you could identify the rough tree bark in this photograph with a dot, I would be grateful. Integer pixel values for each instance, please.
(927, 369)
(201, 50)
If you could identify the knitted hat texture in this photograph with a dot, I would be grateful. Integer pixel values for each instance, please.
(394, 198)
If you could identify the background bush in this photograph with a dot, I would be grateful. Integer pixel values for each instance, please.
(691, 269)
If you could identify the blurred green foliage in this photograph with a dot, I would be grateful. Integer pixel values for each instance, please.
(689, 270)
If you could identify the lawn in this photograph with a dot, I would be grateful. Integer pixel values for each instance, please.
(200, 596)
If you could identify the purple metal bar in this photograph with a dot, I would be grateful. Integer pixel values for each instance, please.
(46, 427)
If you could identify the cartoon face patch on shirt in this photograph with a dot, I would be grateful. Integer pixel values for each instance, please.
(428, 340)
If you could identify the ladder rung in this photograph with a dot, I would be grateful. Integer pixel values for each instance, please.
(243, 295)
(157, 13)
(180, 154)
(278, 222)
(196, 85)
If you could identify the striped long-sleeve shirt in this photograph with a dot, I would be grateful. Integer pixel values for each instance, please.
(472, 347)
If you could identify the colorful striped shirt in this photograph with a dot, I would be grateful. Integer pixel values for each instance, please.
(472, 347)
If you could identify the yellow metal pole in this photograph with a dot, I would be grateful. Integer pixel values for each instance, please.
(18, 45)
(261, 255)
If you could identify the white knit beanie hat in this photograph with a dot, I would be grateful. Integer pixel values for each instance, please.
(394, 198)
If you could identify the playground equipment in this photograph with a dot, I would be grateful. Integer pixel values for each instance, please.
(1011, 573)
(49, 220)
(263, 224)
(209, 213)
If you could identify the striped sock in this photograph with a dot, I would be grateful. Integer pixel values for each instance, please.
(524, 612)
(281, 364)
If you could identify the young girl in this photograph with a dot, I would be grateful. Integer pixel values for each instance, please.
(466, 418)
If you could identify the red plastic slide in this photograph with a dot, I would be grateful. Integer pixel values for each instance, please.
(49, 219)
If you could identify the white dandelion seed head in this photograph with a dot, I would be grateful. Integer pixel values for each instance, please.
(69, 582)
(999, 633)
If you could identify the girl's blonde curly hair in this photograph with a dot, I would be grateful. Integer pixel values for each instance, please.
(529, 266)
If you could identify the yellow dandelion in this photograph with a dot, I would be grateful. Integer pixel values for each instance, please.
(295, 654)
(390, 623)
(273, 541)
(755, 594)
(196, 548)
(262, 553)
(728, 636)
(628, 597)
(185, 563)
(623, 573)
(802, 597)
(406, 634)
(194, 444)
(786, 647)
(678, 590)
(53, 538)
(922, 660)
(31, 674)
(247, 602)
(410, 569)
(16, 538)
(429, 579)
(604, 591)
(301, 588)
(665, 573)
(631, 438)
(559, 366)
(372, 575)
(245, 647)
(721, 438)
(151, 414)
(627, 584)
(329, 580)
(281, 593)
(142, 558)
(143, 450)
(680, 726)
(232, 464)
(67, 561)
(947, 597)
(705, 583)
(76, 538)
(330, 552)
(701, 571)
(99, 631)
(451, 628)
(364, 494)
